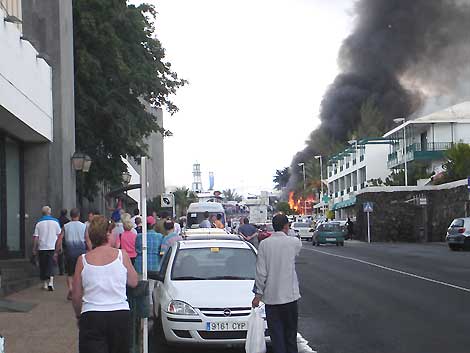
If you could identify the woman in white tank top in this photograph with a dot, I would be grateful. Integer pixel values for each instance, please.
(99, 293)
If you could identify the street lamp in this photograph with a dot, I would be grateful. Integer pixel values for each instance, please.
(126, 177)
(81, 162)
(321, 180)
(405, 157)
(305, 201)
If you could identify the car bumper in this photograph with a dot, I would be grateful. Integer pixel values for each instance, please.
(194, 330)
(456, 239)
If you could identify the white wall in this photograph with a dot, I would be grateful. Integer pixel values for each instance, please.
(462, 133)
(25, 81)
(376, 162)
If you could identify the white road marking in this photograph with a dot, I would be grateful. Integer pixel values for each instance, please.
(302, 345)
(393, 270)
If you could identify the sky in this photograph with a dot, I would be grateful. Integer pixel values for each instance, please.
(257, 71)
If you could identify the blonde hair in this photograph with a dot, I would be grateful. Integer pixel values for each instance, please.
(98, 230)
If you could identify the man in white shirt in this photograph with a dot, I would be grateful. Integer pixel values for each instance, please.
(47, 241)
(276, 284)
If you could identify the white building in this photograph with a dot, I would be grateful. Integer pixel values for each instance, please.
(428, 137)
(350, 170)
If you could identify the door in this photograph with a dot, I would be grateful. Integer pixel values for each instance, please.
(424, 141)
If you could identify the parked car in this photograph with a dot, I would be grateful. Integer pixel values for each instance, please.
(203, 292)
(328, 233)
(458, 234)
(264, 230)
(303, 229)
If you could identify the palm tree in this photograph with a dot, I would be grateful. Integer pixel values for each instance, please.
(183, 198)
(231, 195)
(281, 178)
(458, 162)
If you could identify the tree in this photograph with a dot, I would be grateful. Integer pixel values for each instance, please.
(183, 198)
(231, 195)
(118, 63)
(457, 166)
(416, 171)
(281, 178)
(284, 207)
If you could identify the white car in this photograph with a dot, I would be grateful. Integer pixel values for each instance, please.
(303, 230)
(204, 292)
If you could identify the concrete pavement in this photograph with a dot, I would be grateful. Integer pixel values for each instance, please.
(50, 327)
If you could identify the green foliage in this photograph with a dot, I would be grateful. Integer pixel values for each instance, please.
(281, 178)
(284, 207)
(118, 62)
(416, 171)
(232, 195)
(183, 198)
(457, 166)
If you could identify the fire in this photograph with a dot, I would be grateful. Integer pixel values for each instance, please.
(300, 205)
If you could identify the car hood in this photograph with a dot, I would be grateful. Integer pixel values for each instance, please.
(213, 294)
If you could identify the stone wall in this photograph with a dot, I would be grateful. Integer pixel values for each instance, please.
(397, 215)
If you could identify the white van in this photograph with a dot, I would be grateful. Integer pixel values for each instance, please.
(197, 209)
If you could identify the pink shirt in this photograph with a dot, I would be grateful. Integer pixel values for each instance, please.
(128, 243)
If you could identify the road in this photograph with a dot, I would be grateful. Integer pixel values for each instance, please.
(382, 298)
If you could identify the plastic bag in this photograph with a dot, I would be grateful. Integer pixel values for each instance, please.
(255, 341)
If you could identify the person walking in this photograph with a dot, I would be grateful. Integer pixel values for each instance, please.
(138, 223)
(47, 241)
(276, 284)
(169, 239)
(136, 214)
(205, 223)
(63, 220)
(154, 243)
(90, 216)
(127, 240)
(249, 232)
(218, 222)
(350, 228)
(75, 245)
(99, 293)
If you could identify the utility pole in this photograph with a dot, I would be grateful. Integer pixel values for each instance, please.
(321, 181)
(302, 164)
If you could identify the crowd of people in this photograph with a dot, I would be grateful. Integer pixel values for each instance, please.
(100, 257)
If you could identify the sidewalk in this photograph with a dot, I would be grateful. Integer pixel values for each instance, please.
(50, 327)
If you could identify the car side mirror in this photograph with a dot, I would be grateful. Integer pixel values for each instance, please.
(155, 275)
(311, 230)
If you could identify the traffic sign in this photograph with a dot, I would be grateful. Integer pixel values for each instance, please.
(167, 200)
(368, 207)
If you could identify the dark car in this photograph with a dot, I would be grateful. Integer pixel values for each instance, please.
(329, 233)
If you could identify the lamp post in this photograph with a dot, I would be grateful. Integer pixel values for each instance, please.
(126, 177)
(321, 180)
(305, 201)
(81, 163)
(405, 157)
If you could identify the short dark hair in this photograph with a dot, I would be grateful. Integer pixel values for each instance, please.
(219, 216)
(168, 225)
(206, 214)
(279, 221)
(138, 220)
(74, 213)
(246, 220)
(63, 212)
(136, 212)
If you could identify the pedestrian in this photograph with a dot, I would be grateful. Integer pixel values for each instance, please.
(169, 239)
(218, 222)
(249, 232)
(136, 214)
(119, 229)
(90, 216)
(154, 243)
(99, 293)
(47, 240)
(159, 221)
(205, 223)
(138, 223)
(127, 240)
(276, 284)
(63, 220)
(177, 227)
(350, 228)
(75, 245)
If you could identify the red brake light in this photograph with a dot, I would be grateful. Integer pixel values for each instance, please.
(462, 230)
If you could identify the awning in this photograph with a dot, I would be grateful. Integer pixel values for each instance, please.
(343, 204)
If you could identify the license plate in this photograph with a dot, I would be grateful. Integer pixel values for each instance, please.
(226, 326)
(330, 239)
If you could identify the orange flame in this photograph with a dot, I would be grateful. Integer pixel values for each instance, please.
(300, 205)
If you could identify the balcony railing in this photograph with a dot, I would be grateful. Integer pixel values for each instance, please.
(427, 151)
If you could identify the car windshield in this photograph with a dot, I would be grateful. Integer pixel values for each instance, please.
(457, 223)
(300, 225)
(214, 263)
(331, 227)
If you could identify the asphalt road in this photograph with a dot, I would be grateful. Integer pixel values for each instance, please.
(351, 305)
(381, 298)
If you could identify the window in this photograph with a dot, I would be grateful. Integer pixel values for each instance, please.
(165, 261)
(214, 263)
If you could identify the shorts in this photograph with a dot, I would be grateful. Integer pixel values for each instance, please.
(70, 263)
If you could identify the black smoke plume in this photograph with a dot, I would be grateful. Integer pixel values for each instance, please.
(403, 55)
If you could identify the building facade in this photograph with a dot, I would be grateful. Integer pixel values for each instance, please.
(37, 124)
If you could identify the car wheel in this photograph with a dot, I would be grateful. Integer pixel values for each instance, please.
(337, 243)
(466, 244)
(342, 243)
(158, 329)
(317, 243)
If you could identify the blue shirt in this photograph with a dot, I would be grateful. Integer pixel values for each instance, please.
(168, 242)
(154, 244)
